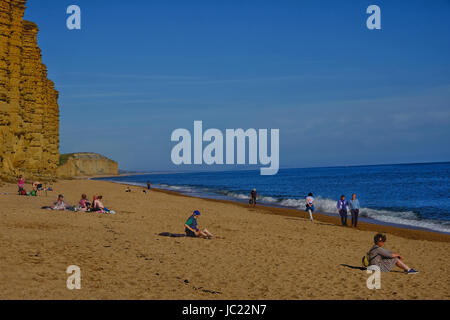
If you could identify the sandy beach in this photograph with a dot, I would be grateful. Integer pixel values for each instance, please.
(266, 253)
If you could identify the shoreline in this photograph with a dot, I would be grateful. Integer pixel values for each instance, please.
(377, 226)
(263, 253)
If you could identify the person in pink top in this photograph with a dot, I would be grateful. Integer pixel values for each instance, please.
(84, 203)
(21, 183)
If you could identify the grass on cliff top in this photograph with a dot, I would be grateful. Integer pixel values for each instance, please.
(91, 155)
(64, 157)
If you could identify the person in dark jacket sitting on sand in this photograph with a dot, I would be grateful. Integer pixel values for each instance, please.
(192, 229)
(385, 259)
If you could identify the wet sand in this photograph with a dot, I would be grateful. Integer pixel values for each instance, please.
(267, 253)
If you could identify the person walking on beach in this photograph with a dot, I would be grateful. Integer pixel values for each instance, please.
(148, 185)
(354, 209)
(386, 259)
(342, 205)
(192, 230)
(253, 196)
(310, 205)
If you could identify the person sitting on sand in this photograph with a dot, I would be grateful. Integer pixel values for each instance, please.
(128, 189)
(37, 187)
(342, 205)
(60, 204)
(192, 230)
(99, 207)
(310, 205)
(385, 259)
(84, 203)
(253, 196)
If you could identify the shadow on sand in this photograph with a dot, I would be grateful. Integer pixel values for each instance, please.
(364, 268)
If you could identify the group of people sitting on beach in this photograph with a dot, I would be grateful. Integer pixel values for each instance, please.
(36, 188)
(384, 259)
(84, 205)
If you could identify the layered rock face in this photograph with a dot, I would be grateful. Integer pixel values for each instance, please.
(86, 164)
(29, 113)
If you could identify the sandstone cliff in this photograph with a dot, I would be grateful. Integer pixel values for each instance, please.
(86, 164)
(29, 113)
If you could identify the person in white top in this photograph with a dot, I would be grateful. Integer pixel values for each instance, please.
(310, 205)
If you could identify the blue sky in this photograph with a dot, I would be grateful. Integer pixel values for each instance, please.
(339, 93)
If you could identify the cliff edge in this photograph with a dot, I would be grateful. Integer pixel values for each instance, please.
(29, 112)
(86, 164)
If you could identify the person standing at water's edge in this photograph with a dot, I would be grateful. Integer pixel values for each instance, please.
(310, 205)
(342, 205)
(148, 185)
(354, 209)
(253, 196)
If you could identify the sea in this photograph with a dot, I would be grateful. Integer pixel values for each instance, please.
(415, 196)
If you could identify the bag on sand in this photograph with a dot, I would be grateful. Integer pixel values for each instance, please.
(365, 261)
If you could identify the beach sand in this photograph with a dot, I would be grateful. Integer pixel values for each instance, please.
(266, 253)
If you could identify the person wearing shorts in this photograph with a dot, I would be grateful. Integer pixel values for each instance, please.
(310, 205)
(191, 227)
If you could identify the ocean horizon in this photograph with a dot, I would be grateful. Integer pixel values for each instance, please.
(412, 195)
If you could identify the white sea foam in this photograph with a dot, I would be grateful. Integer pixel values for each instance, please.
(407, 218)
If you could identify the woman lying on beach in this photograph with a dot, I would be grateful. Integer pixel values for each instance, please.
(192, 230)
(385, 259)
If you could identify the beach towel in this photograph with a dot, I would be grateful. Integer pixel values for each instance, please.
(172, 235)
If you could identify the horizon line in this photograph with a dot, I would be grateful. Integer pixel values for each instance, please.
(143, 172)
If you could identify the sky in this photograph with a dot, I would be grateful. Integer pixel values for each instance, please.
(339, 93)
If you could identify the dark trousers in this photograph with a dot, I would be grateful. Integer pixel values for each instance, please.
(343, 214)
(355, 213)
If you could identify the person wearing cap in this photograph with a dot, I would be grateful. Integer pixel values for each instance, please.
(253, 196)
(191, 227)
(386, 259)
